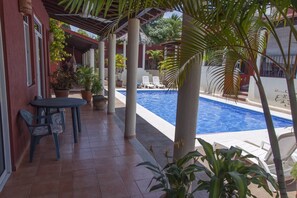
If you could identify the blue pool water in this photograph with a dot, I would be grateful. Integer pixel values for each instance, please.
(213, 116)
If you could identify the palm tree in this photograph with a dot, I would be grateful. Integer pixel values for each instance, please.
(217, 24)
(285, 50)
(156, 56)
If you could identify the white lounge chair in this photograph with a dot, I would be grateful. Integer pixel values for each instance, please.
(156, 82)
(287, 145)
(146, 82)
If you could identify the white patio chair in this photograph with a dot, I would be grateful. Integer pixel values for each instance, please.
(156, 82)
(264, 156)
(146, 83)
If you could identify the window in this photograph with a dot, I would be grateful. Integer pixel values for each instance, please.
(28, 51)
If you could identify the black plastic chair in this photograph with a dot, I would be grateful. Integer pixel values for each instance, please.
(42, 112)
(52, 125)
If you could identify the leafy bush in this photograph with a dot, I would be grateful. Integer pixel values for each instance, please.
(85, 77)
(63, 78)
(229, 174)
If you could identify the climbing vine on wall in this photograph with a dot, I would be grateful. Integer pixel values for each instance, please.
(57, 52)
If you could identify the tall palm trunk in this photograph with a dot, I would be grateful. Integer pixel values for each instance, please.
(293, 101)
(273, 141)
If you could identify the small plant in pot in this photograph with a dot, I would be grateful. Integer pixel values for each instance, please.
(63, 79)
(99, 101)
(85, 78)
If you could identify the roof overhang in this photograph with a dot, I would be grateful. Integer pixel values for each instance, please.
(79, 41)
(94, 26)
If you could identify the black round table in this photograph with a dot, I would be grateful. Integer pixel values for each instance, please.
(73, 103)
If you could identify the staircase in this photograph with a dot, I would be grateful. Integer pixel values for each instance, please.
(242, 95)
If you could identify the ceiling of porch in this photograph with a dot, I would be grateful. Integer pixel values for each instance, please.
(92, 24)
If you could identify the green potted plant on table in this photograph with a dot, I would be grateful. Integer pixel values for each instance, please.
(63, 79)
(99, 101)
(229, 175)
(85, 78)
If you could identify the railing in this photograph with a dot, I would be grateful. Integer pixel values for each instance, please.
(270, 69)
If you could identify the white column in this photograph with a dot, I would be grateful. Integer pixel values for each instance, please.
(187, 108)
(92, 58)
(101, 65)
(111, 73)
(124, 51)
(143, 56)
(132, 64)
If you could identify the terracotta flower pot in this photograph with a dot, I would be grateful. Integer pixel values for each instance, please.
(86, 95)
(99, 102)
(61, 93)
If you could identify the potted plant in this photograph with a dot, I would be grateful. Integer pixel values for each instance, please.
(85, 78)
(99, 101)
(120, 65)
(63, 79)
(229, 174)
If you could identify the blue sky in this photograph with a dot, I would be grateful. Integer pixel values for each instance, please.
(168, 14)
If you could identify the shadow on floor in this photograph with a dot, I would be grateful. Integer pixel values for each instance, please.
(149, 136)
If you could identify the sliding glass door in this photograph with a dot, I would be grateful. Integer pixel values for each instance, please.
(5, 164)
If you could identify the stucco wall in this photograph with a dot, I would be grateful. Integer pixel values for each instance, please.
(275, 89)
(18, 94)
(206, 79)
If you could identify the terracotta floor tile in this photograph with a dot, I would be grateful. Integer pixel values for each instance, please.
(91, 192)
(85, 181)
(46, 188)
(54, 195)
(49, 169)
(22, 191)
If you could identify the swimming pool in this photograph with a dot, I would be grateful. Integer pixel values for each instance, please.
(213, 116)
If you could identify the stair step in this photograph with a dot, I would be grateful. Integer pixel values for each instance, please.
(239, 97)
(244, 93)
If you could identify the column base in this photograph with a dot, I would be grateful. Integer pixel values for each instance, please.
(129, 136)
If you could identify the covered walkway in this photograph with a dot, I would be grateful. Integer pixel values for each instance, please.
(102, 164)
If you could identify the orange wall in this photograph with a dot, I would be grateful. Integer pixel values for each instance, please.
(18, 94)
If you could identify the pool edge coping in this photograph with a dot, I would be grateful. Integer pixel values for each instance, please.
(169, 130)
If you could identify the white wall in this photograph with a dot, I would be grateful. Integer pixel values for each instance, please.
(140, 72)
(206, 80)
(275, 89)
(153, 72)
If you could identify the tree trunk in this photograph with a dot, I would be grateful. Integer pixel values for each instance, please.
(293, 102)
(273, 141)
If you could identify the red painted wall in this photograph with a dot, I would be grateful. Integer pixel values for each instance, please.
(18, 94)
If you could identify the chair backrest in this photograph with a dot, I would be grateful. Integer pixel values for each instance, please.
(145, 80)
(40, 111)
(287, 145)
(27, 116)
(156, 80)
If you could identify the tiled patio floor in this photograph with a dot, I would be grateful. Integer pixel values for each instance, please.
(101, 164)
